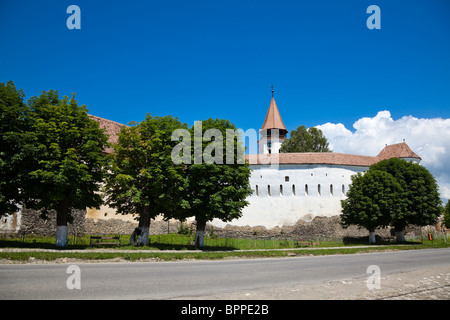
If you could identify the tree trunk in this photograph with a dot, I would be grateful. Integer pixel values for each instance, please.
(141, 233)
(62, 210)
(400, 236)
(200, 234)
(372, 239)
(399, 233)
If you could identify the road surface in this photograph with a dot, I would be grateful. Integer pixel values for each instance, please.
(178, 280)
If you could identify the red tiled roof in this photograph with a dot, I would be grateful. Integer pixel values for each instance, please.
(112, 129)
(313, 158)
(399, 150)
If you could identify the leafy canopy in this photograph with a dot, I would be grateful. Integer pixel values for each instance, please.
(216, 190)
(68, 160)
(14, 156)
(372, 200)
(142, 174)
(305, 140)
(419, 191)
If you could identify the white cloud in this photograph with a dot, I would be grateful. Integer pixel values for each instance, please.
(429, 138)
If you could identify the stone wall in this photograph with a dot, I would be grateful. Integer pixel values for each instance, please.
(317, 228)
(117, 226)
(32, 223)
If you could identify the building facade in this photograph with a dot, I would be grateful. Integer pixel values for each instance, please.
(287, 187)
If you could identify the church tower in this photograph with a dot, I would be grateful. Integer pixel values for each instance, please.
(273, 131)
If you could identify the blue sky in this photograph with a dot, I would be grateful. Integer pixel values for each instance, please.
(200, 59)
(215, 58)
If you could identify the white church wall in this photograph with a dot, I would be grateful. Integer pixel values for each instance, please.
(282, 196)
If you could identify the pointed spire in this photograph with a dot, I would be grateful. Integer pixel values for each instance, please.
(273, 118)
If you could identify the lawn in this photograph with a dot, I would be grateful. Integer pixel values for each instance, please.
(181, 247)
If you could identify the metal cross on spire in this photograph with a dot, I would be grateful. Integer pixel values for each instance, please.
(272, 90)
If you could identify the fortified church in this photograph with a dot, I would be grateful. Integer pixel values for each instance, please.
(287, 187)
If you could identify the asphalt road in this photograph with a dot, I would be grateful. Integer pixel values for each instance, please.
(171, 280)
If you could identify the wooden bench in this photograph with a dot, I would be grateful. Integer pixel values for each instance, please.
(303, 243)
(105, 240)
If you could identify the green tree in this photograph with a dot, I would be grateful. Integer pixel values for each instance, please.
(143, 179)
(447, 215)
(14, 158)
(372, 200)
(305, 140)
(420, 193)
(218, 188)
(68, 160)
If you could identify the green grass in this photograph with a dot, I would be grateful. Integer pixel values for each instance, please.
(215, 248)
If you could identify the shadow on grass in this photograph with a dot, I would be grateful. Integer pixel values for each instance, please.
(379, 241)
(36, 244)
(166, 246)
(50, 244)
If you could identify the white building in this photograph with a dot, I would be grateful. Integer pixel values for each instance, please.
(288, 187)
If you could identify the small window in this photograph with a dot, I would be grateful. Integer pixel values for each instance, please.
(343, 189)
(306, 189)
(286, 178)
(256, 190)
(268, 190)
(281, 189)
(293, 189)
(331, 189)
(318, 189)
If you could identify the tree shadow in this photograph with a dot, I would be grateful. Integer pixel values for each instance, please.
(379, 241)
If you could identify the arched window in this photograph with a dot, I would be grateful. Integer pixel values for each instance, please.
(268, 190)
(293, 189)
(331, 189)
(306, 189)
(318, 189)
(256, 190)
(343, 189)
(281, 189)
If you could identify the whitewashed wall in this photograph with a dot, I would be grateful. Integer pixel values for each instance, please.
(311, 190)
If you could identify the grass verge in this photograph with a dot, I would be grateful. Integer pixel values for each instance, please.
(215, 249)
(121, 255)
